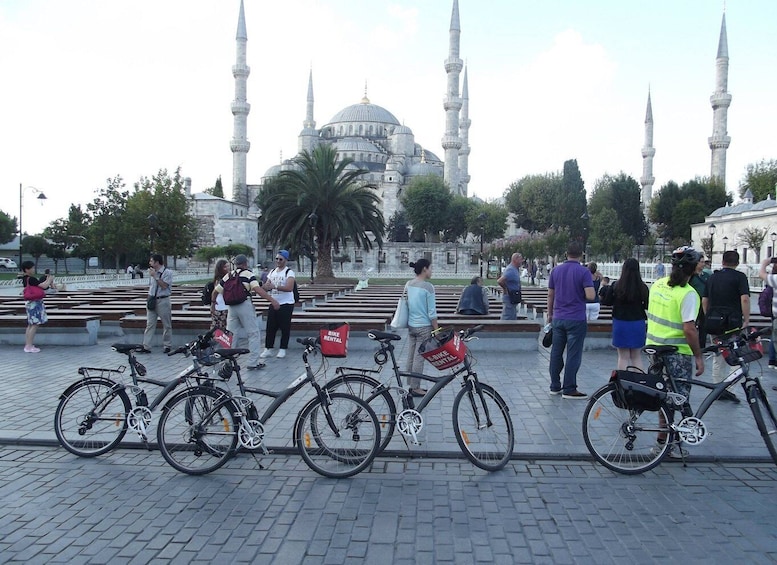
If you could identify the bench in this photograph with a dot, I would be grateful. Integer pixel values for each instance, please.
(59, 330)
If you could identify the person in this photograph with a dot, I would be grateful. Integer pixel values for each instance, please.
(510, 281)
(660, 270)
(673, 307)
(160, 285)
(570, 287)
(138, 271)
(131, 270)
(533, 272)
(474, 299)
(630, 300)
(422, 320)
(604, 290)
(36, 311)
(280, 282)
(593, 307)
(699, 283)
(242, 316)
(727, 293)
(218, 308)
(769, 276)
(265, 273)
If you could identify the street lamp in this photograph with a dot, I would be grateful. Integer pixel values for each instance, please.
(712, 230)
(773, 237)
(312, 219)
(482, 220)
(40, 197)
(725, 243)
(153, 227)
(585, 219)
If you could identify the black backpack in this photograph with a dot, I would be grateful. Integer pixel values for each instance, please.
(295, 290)
(207, 293)
(234, 290)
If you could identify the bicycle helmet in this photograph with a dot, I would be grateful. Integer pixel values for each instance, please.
(685, 255)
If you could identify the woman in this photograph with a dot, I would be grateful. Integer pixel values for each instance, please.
(218, 309)
(592, 308)
(422, 320)
(629, 329)
(36, 311)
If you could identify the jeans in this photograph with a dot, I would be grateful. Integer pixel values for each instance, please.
(415, 361)
(509, 311)
(569, 334)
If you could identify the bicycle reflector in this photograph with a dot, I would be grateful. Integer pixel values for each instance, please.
(140, 368)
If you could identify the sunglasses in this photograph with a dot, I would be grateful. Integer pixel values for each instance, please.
(280, 259)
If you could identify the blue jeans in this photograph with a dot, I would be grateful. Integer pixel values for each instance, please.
(569, 334)
(508, 310)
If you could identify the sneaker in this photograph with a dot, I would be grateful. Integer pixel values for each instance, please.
(575, 395)
(675, 451)
(554, 392)
(281, 354)
(773, 365)
(266, 353)
(167, 349)
(31, 349)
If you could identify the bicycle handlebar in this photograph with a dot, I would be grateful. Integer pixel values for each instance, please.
(740, 339)
(200, 341)
(464, 334)
(308, 341)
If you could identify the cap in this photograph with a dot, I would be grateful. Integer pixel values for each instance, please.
(241, 260)
(283, 253)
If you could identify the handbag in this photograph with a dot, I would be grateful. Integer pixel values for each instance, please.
(515, 296)
(151, 303)
(33, 292)
(402, 312)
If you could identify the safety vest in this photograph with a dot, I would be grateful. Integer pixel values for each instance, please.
(665, 322)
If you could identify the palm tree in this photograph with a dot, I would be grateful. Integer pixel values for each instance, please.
(323, 199)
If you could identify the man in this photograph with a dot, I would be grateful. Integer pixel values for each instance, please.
(160, 286)
(474, 299)
(510, 281)
(769, 276)
(727, 293)
(673, 306)
(280, 282)
(699, 283)
(242, 316)
(660, 270)
(570, 287)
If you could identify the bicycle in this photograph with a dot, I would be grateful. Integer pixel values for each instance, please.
(94, 413)
(481, 419)
(628, 424)
(336, 434)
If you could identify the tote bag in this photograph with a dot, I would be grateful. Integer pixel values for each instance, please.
(401, 314)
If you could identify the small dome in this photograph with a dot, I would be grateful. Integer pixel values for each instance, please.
(423, 169)
(403, 129)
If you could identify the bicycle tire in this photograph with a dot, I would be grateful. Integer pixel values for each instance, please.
(347, 449)
(376, 395)
(197, 431)
(487, 445)
(623, 440)
(91, 417)
(764, 417)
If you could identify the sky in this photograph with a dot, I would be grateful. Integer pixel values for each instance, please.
(95, 89)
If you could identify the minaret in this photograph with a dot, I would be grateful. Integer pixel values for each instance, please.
(451, 142)
(308, 136)
(648, 151)
(240, 108)
(720, 101)
(464, 124)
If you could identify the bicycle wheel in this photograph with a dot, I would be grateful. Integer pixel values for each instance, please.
(338, 439)
(374, 393)
(764, 417)
(91, 417)
(484, 429)
(624, 441)
(197, 431)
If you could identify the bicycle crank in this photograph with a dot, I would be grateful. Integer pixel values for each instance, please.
(251, 435)
(139, 419)
(691, 430)
(410, 423)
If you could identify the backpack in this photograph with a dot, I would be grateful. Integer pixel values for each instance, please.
(207, 293)
(765, 301)
(234, 290)
(295, 290)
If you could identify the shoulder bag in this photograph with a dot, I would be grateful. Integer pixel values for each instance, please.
(33, 292)
(402, 312)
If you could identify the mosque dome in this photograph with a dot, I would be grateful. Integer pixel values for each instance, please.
(364, 112)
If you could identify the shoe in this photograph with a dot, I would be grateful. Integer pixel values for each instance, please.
(144, 350)
(575, 395)
(554, 392)
(31, 349)
(256, 367)
(728, 395)
(281, 354)
(417, 392)
(266, 353)
(675, 451)
(773, 364)
(167, 349)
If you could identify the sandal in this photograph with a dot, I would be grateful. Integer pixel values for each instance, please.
(417, 392)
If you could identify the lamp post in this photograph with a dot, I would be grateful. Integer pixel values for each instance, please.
(312, 219)
(585, 219)
(712, 230)
(725, 243)
(41, 197)
(153, 226)
(773, 237)
(482, 220)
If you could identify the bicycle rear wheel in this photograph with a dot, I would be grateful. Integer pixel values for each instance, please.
(338, 439)
(764, 417)
(624, 441)
(484, 430)
(376, 395)
(197, 431)
(91, 417)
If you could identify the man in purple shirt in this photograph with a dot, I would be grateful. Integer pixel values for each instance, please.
(570, 286)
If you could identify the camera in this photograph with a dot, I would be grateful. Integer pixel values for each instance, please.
(48, 271)
(774, 260)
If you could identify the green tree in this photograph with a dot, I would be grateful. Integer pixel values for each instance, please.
(490, 217)
(77, 231)
(398, 227)
(753, 238)
(621, 194)
(461, 207)
(217, 189)
(760, 179)
(35, 245)
(571, 200)
(427, 203)
(8, 227)
(329, 194)
(607, 237)
(532, 200)
(110, 231)
(56, 233)
(676, 208)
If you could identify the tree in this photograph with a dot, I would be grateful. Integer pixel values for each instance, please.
(398, 227)
(427, 203)
(607, 237)
(571, 200)
(760, 179)
(8, 227)
(675, 209)
(217, 189)
(490, 217)
(532, 200)
(461, 207)
(753, 238)
(36, 246)
(325, 196)
(621, 194)
(110, 230)
(56, 232)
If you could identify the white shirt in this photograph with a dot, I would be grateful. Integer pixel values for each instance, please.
(278, 278)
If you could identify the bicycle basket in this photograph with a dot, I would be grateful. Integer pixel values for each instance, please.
(750, 351)
(443, 350)
(334, 339)
(205, 355)
(638, 391)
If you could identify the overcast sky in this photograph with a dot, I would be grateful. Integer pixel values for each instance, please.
(93, 89)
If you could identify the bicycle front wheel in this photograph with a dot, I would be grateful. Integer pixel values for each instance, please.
(764, 417)
(91, 417)
(484, 429)
(340, 438)
(623, 440)
(197, 431)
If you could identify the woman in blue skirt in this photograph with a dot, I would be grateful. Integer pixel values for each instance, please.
(629, 321)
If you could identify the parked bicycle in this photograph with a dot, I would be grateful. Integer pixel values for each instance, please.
(95, 412)
(481, 419)
(337, 434)
(629, 424)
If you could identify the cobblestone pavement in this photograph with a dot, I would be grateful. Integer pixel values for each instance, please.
(552, 504)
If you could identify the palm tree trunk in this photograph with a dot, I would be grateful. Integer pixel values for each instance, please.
(324, 260)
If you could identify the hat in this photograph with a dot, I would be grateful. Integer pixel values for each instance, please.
(547, 339)
(241, 260)
(283, 253)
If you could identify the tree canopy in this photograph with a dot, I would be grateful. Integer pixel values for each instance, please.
(675, 208)
(760, 179)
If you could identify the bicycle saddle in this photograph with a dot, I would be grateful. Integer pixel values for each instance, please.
(231, 353)
(378, 335)
(127, 347)
(659, 349)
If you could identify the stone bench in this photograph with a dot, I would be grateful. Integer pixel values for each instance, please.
(59, 330)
